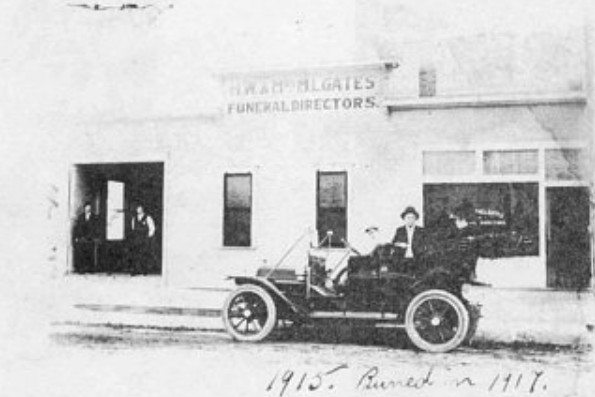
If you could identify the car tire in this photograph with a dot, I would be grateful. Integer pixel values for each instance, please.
(249, 314)
(437, 321)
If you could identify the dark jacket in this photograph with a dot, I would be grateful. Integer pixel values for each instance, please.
(86, 230)
(418, 245)
(462, 251)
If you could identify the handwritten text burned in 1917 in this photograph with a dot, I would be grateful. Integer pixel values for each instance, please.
(343, 378)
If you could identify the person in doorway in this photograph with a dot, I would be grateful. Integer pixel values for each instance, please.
(86, 238)
(143, 232)
(409, 241)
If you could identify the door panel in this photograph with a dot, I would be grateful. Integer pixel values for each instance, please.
(568, 247)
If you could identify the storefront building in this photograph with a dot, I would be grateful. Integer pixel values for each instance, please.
(298, 152)
(325, 149)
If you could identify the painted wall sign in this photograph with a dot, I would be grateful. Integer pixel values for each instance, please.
(287, 93)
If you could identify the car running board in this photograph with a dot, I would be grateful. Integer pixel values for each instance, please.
(355, 315)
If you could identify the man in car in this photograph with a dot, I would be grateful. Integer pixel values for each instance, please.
(409, 241)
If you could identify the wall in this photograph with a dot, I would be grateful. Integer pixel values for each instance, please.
(380, 152)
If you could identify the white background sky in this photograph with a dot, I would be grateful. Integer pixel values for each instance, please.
(69, 60)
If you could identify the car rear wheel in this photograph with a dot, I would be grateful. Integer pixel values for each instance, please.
(249, 314)
(436, 321)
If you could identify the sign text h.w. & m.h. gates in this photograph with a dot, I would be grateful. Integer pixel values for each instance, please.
(288, 92)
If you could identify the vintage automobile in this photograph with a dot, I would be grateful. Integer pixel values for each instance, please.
(372, 290)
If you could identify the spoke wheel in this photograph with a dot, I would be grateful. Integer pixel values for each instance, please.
(249, 314)
(436, 321)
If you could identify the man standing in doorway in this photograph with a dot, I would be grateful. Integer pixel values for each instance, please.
(409, 241)
(143, 230)
(86, 236)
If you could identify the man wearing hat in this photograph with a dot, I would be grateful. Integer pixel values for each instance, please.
(463, 242)
(409, 240)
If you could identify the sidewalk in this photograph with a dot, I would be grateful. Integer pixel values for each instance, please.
(137, 301)
(508, 315)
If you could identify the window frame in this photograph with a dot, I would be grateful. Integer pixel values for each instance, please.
(500, 168)
(480, 177)
(508, 227)
(225, 241)
(320, 236)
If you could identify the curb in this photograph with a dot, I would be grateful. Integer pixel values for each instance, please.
(160, 310)
(122, 326)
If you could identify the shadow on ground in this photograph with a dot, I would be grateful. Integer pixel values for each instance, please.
(116, 337)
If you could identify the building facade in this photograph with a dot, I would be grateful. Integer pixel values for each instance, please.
(502, 121)
(327, 149)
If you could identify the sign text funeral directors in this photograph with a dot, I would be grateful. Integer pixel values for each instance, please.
(287, 94)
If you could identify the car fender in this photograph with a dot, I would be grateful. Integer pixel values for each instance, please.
(440, 278)
(269, 286)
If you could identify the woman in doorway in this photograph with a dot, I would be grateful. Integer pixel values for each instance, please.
(143, 231)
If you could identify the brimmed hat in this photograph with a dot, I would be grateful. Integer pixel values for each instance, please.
(465, 210)
(409, 210)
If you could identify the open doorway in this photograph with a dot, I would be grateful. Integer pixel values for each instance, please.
(567, 229)
(112, 192)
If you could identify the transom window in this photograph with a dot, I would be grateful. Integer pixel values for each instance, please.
(566, 164)
(508, 162)
(449, 162)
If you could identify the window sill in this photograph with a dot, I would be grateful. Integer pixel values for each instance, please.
(251, 248)
(332, 249)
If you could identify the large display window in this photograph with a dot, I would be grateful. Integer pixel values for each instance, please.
(505, 215)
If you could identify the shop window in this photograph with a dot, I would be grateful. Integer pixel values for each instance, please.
(507, 162)
(505, 215)
(237, 217)
(332, 208)
(449, 163)
(566, 164)
(115, 211)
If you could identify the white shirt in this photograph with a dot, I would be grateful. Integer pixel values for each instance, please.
(150, 224)
(409, 251)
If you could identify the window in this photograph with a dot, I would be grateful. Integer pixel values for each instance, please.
(237, 217)
(508, 162)
(332, 207)
(449, 163)
(566, 164)
(115, 211)
(506, 215)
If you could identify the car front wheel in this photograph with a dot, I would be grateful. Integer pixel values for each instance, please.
(436, 321)
(249, 314)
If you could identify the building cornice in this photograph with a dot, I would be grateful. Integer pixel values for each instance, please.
(386, 65)
(478, 101)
